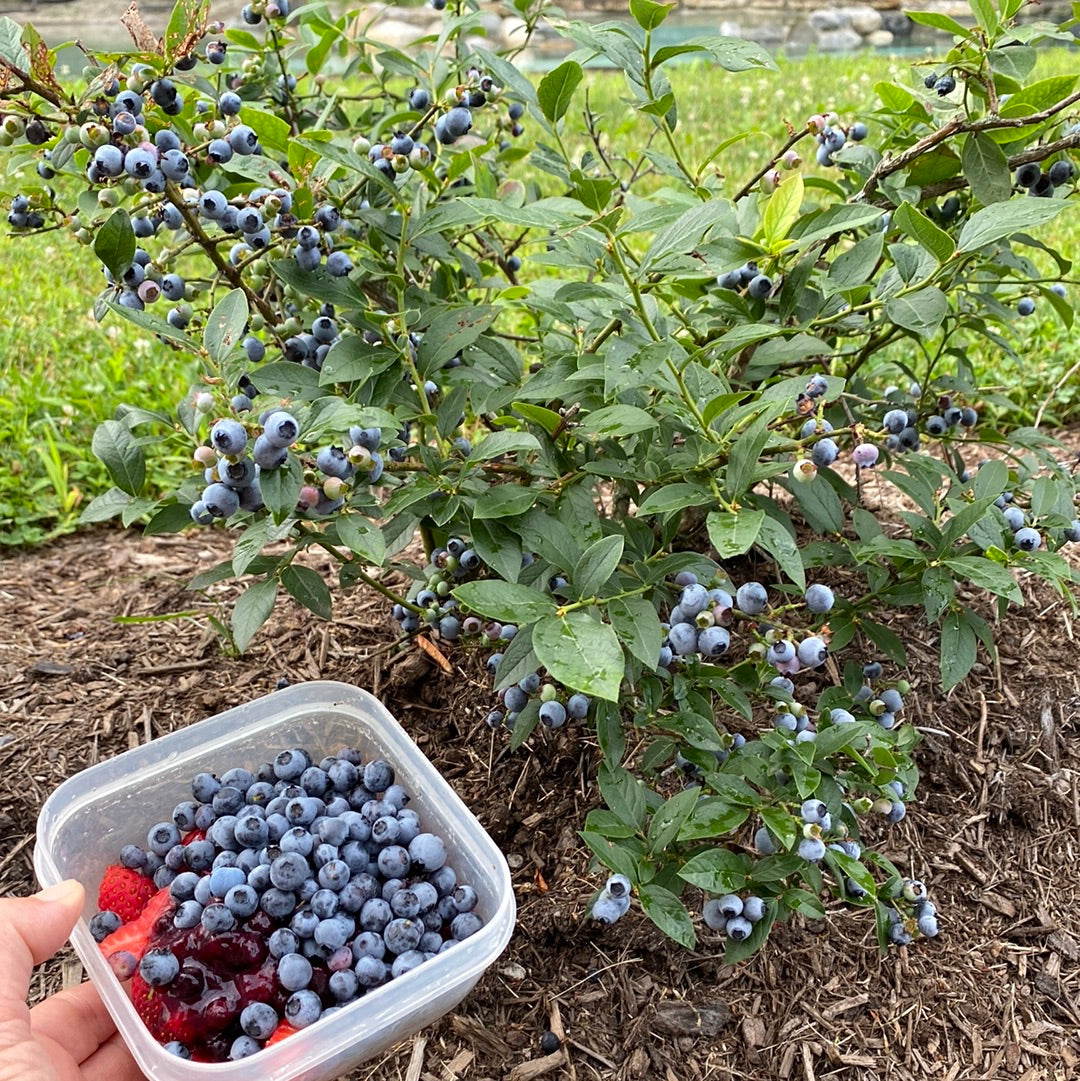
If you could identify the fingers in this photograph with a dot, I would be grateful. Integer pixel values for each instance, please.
(32, 929)
(76, 1019)
(112, 1061)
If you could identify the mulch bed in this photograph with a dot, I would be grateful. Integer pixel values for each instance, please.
(995, 833)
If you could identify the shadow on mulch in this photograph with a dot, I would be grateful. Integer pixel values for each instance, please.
(995, 833)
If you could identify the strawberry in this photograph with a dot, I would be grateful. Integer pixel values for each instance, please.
(283, 1030)
(134, 936)
(125, 892)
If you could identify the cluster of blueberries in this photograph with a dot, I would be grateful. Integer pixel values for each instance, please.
(734, 915)
(431, 603)
(698, 624)
(232, 471)
(357, 892)
(748, 277)
(902, 424)
(944, 85)
(1025, 536)
(1042, 182)
(612, 902)
(831, 137)
(920, 914)
(553, 712)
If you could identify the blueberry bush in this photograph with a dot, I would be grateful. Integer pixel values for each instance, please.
(636, 410)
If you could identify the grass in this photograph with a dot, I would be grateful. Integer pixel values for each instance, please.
(61, 373)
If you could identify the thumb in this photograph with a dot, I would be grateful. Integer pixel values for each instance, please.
(33, 928)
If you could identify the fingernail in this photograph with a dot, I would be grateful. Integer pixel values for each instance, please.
(62, 891)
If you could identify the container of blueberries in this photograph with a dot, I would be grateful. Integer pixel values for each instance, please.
(315, 933)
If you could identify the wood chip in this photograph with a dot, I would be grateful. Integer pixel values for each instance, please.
(998, 904)
(686, 1019)
(416, 1059)
(51, 668)
(537, 1067)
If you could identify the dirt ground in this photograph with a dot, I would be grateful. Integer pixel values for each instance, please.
(995, 833)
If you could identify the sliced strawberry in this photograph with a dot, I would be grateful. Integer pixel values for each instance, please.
(283, 1030)
(135, 935)
(124, 891)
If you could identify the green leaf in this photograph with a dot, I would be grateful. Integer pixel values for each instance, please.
(781, 825)
(920, 312)
(109, 505)
(885, 639)
(450, 331)
(668, 913)
(782, 209)
(500, 443)
(734, 533)
(1001, 220)
(638, 627)
(505, 601)
(615, 420)
(251, 611)
(225, 325)
(280, 488)
(362, 537)
(780, 544)
(623, 793)
(308, 587)
(526, 722)
(120, 453)
(580, 652)
(717, 870)
(607, 718)
(114, 244)
(834, 219)
(854, 267)
(615, 855)
(557, 88)
(986, 574)
(958, 650)
(820, 503)
(986, 169)
(674, 497)
(596, 565)
(712, 817)
(803, 902)
(939, 22)
(938, 591)
(669, 819)
(649, 15)
(498, 546)
(505, 501)
(924, 232)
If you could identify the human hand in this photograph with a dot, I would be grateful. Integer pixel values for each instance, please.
(70, 1036)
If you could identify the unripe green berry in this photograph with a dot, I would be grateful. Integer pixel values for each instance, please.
(548, 693)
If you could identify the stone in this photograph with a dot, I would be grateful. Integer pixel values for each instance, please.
(826, 19)
(839, 41)
(880, 39)
(898, 24)
(864, 19)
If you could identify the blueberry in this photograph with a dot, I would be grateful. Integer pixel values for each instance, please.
(753, 908)
(1025, 306)
(102, 924)
(945, 85)
(553, 714)
(683, 638)
(217, 918)
(427, 851)
(812, 849)
(280, 430)
(419, 99)
(751, 598)
(1027, 539)
(303, 1008)
(936, 425)
(577, 706)
(159, 967)
(294, 971)
(370, 971)
(378, 775)
(739, 928)
(812, 652)
(1061, 172)
(760, 287)
(162, 837)
(824, 452)
(713, 642)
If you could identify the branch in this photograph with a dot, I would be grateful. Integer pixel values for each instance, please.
(958, 125)
(770, 164)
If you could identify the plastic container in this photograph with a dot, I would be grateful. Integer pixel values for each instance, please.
(84, 823)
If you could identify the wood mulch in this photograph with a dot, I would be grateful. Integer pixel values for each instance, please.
(995, 833)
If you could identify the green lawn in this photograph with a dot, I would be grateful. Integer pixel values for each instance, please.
(61, 373)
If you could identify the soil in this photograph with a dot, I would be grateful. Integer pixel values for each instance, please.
(104, 648)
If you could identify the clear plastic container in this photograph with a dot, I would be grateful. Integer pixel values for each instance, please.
(86, 821)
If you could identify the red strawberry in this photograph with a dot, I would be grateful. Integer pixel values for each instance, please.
(135, 936)
(125, 892)
(283, 1031)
